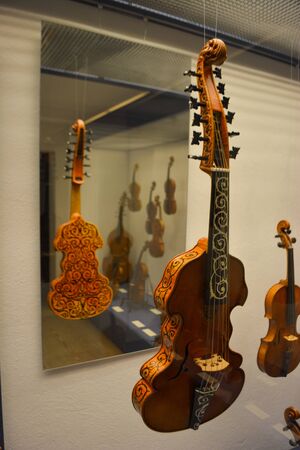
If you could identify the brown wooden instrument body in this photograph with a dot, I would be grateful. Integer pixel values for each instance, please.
(164, 395)
(134, 201)
(170, 204)
(116, 265)
(151, 210)
(279, 351)
(157, 245)
(81, 291)
(137, 288)
(280, 338)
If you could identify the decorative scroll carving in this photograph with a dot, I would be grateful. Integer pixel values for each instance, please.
(218, 286)
(81, 291)
(167, 283)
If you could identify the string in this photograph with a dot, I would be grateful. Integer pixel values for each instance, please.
(204, 20)
(216, 27)
(76, 88)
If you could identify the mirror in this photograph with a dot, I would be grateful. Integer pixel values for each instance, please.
(136, 182)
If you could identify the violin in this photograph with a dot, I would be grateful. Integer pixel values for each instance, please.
(116, 266)
(137, 285)
(170, 205)
(291, 415)
(195, 375)
(156, 245)
(279, 351)
(134, 203)
(81, 291)
(151, 210)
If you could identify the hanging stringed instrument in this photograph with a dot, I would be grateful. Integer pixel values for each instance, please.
(134, 202)
(157, 245)
(137, 285)
(195, 376)
(81, 291)
(291, 416)
(116, 266)
(279, 351)
(151, 210)
(170, 205)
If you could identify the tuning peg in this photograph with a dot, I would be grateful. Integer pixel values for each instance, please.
(88, 140)
(87, 174)
(294, 240)
(67, 168)
(233, 133)
(70, 143)
(87, 148)
(197, 120)
(233, 152)
(197, 138)
(89, 131)
(68, 159)
(69, 151)
(194, 104)
(221, 88)
(225, 102)
(66, 177)
(202, 158)
(191, 88)
(229, 116)
(87, 157)
(191, 73)
(71, 133)
(217, 72)
(86, 165)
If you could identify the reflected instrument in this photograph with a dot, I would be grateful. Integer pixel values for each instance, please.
(116, 266)
(134, 202)
(170, 205)
(291, 415)
(81, 291)
(151, 210)
(279, 351)
(137, 285)
(156, 245)
(195, 376)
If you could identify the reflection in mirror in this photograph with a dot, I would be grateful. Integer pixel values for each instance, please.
(136, 194)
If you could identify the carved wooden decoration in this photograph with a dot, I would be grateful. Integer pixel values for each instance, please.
(80, 292)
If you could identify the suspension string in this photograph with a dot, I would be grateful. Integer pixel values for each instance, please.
(84, 91)
(76, 88)
(204, 20)
(217, 10)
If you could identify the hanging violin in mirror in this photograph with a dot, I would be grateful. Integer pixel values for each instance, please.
(291, 416)
(170, 205)
(151, 210)
(137, 285)
(195, 376)
(157, 245)
(116, 265)
(134, 201)
(81, 291)
(279, 351)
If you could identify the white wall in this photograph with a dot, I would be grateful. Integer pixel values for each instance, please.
(89, 407)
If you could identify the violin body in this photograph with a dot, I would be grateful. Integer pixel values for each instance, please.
(116, 266)
(134, 202)
(279, 352)
(170, 204)
(164, 395)
(137, 286)
(157, 245)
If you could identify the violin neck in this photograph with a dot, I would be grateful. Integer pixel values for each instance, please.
(120, 222)
(75, 199)
(217, 292)
(291, 311)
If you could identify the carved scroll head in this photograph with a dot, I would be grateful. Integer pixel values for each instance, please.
(214, 52)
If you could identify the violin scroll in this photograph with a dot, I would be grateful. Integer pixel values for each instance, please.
(291, 415)
(284, 230)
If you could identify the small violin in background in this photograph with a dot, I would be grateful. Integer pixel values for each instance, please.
(156, 245)
(151, 210)
(137, 285)
(81, 291)
(116, 266)
(291, 415)
(170, 205)
(279, 351)
(134, 203)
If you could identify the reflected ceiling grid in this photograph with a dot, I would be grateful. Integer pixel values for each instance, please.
(71, 49)
(269, 24)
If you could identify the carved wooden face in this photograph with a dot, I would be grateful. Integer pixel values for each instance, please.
(214, 52)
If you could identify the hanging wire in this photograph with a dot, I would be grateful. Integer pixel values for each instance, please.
(76, 87)
(217, 11)
(204, 20)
